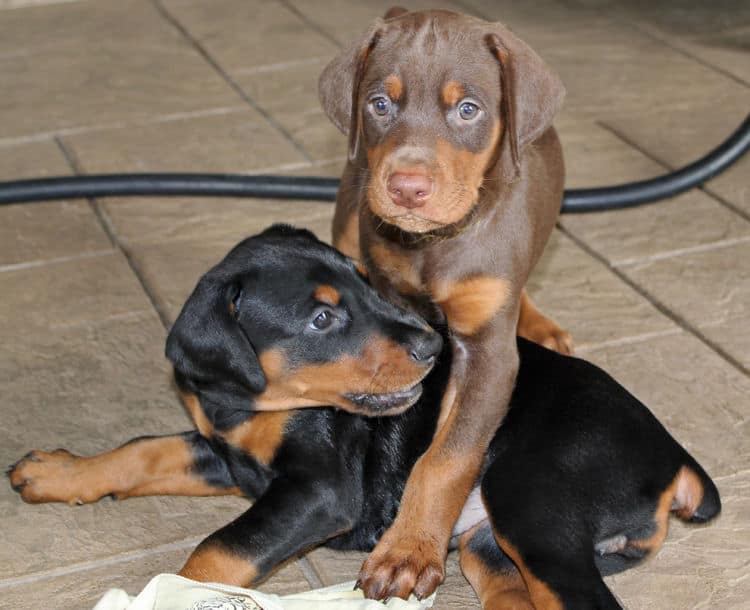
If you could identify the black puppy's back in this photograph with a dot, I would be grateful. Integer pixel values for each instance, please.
(581, 466)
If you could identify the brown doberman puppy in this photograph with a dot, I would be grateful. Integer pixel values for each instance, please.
(452, 188)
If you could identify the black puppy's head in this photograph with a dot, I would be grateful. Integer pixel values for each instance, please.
(285, 321)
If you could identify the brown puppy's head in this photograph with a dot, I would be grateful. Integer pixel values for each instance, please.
(436, 104)
(285, 321)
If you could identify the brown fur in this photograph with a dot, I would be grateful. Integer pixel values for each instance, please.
(328, 295)
(493, 203)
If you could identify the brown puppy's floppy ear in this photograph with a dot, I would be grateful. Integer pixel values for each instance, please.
(338, 86)
(206, 343)
(531, 93)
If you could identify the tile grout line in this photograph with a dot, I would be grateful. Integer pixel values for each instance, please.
(309, 22)
(46, 136)
(93, 564)
(310, 573)
(656, 303)
(684, 52)
(660, 256)
(109, 229)
(203, 52)
(649, 155)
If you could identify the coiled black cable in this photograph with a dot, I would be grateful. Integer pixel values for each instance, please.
(324, 189)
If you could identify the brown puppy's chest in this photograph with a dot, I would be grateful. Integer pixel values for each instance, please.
(468, 300)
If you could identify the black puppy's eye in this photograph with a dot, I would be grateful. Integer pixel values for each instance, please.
(323, 320)
(468, 110)
(235, 304)
(381, 105)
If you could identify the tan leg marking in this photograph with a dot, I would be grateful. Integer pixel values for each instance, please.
(688, 493)
(159, 466)
(497, 590)
(535, 326)
(197, 414)
(471, 303)
(542, 597)
(212, 563)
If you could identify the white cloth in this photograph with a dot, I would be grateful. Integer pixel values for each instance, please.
(172, 592)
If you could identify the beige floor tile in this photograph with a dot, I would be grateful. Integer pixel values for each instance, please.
(224, 221)
(172, 268)
(697, 395)
(242, 34)
(81, 589)
(684, 222)
(84, 291)
(336, 566)
(709, 289)
(596, 157)
(716, 33)
(588, 300)
(238, 141)
(290, 95)
(85, 64)
(681, 137)
(42, 231)
(345, 20)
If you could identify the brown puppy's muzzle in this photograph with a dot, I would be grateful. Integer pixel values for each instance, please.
(409, 190)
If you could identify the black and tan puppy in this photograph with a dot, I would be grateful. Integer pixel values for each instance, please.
(579, 481)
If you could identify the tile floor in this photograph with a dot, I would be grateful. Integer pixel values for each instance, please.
(660, 295)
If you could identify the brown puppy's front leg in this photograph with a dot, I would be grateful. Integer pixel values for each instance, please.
(535, 326)
(164, 465)
(411, 554)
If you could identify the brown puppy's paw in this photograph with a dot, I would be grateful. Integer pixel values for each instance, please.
(40, 476)
(411, 565)
(546, 332)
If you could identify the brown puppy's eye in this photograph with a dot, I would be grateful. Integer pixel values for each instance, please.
(468, 110)
(381, 105)
(323, 320)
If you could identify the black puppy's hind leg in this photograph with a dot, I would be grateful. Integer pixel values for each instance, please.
(292, 516)
(493, 576)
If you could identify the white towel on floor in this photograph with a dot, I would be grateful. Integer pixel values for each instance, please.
(172, 592)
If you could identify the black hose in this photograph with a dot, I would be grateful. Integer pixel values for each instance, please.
(324, 189)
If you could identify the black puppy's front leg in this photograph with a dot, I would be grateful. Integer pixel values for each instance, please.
(292, 516)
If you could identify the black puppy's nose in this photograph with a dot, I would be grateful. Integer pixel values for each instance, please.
(425, 347)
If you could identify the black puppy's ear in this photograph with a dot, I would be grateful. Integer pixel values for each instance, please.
(207, 344)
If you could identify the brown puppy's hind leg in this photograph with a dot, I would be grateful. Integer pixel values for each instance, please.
(143, 467)
(490, 572)
(535, 326)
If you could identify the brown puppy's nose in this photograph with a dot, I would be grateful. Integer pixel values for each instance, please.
(409, 190)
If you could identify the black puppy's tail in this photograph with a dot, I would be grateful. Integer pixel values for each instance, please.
(696, 497)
